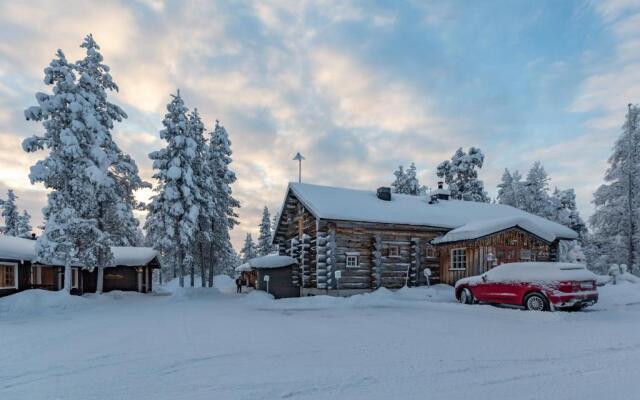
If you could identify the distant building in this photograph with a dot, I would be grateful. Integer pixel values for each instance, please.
(350, 241)
(19, 271)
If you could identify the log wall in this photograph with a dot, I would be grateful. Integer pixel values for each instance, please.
(513, 245)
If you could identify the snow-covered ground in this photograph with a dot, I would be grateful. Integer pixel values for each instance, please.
(410, 344)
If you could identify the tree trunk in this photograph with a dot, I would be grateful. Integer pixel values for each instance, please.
(180, 267)
(67, 278)
(210, 265)
(192, 274)
(203, 275)
(100, 283)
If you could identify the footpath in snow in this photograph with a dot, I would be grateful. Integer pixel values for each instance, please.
(200, 343)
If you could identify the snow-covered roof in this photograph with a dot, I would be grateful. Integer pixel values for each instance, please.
(243, 267)
(133, 256)
(363, 205)
(13, 248)
(266, 262)
(478, 229)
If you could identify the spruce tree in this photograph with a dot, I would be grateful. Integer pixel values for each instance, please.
(174, 209)
(248, 250)
(116, 174)
(10, 214)
(224, 216)
(24, 228)
(264, 240)
(615, 222)
(73, 170)
(536, 199)
(407, 182)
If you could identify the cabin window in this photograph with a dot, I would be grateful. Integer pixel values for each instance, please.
(8, 276)
(394, 251)
(353, 261)
(525, 254)
(458, 259)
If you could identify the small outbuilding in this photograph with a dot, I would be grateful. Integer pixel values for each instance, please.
(273, 274)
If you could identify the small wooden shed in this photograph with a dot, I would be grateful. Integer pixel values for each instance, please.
(274, 274)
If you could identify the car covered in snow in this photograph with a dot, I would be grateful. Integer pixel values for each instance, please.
(536, 286)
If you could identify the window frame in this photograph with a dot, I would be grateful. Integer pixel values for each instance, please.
(15, 275)
(455, 261)
(355, 257)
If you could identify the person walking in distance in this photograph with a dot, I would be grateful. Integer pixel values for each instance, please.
(238, 285)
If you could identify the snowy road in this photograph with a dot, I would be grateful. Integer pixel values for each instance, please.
(381, 346)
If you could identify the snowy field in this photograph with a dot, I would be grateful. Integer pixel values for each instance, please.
(411, 344)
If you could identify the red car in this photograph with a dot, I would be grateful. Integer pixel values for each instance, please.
(539, 286)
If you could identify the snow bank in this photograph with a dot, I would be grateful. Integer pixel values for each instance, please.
(38, 301)
(380, 298)
(224, 283)
(623, 294)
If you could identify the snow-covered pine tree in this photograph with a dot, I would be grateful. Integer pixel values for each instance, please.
(615, 222)
(225, 204)
(205, 197)
(461, 175)
(73, 171)
(116, 174)
(264, 240)
(248, 250)
(24, 228)
(174, 211)
(10, 214)
(536, 198)
(511, 189)
(399, 185)
(407, 181)
(565, 211)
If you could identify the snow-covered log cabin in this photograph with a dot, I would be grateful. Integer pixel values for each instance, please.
(382, 239)
(19, 271)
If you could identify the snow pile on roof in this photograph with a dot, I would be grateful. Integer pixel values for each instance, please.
(362, 205)
(534, 272)
(266, 262)
(14, 248)
(133, 256)
(478, 229)
(243, 267)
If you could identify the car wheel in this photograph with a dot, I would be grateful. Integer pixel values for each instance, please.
(536, 302)
(466, 297)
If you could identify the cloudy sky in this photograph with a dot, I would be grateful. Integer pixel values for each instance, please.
(358, 87)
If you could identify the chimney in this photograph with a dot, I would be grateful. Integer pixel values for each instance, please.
(440, 193)
(384, 193)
